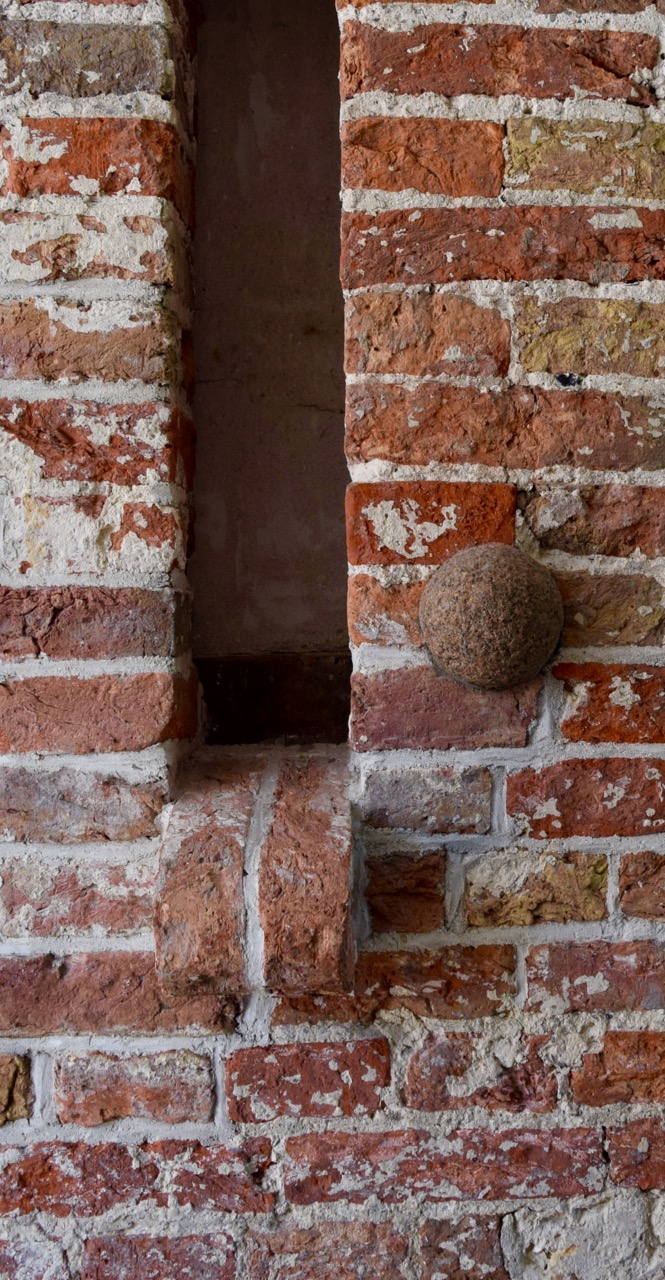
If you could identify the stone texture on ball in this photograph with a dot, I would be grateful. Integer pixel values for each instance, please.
(491, 616)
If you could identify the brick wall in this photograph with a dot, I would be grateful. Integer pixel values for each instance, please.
(419, 1036)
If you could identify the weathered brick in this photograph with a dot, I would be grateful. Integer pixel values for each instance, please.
(340, 1079)
(87, 622)
(519, 427)
(384, 613)
(95, 992)
(513, 887)
(64, 1178)
(104, 713)
(175, 1087)
(425, 521)
(592, 336)
(589, 798)
(305, 896)
(629, 1068)
(94, 535)
(618, 158)
(123, 444)
(441, 713)
(40, 1259)
(587, 976)
(43, 898)
(642, 885)
(610, 520)
(71, 806)
(439, 157)
(425, 333)
(64, 339)
(101, 156)
(538, 62)
(440, 246)
(43, 248)
(611, 609)
(469, 1249)
(200, 910)
(580, 1239)
(637, 1155)
(433, 800)
(126, 1257)
(330, 1167)
(612, 703)
(457, 1070)
(405, 892)
(84, 61)
(15, 1088)
(328, 1251)
(451, 982)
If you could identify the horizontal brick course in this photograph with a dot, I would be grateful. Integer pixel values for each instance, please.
(590, 976)
(174, 1087)
(441, 246)
(328, 1251)
(619, 158)
(592, 336)
(16, 1097)
(612, 703)
(442, 713)
(537, 62)
(432, 800)
(636, 1155)
(67, 806)
(589, 798)
(49, 899)
(87, 622)
(331, 1167)
(610, 520)
(469, 1249)
(102, 713)
(340, 1079)
(425, 333)
(425, 522)
(439, 157)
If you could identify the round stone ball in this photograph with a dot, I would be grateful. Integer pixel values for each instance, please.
(491, 616)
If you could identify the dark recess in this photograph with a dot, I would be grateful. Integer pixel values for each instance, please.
(276, 697)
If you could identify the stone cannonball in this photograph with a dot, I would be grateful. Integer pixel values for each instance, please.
(491, 616)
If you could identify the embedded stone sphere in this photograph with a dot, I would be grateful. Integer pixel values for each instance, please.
(491, 616)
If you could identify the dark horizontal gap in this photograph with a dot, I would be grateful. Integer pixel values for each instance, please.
(276, 697)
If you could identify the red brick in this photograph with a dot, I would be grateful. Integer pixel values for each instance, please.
(381, 613)
(16, 1096)
(84, 440)
(96, 992)
(589, 976)
(589, 797)
(175, 1087)
(610, 520)
(432, 800)
(340, 1079)
(538, 62)
(42, 898)
(132, 157)
(66, 1178)
(435, 1078)
(405, 892)
(36, 342)
(328, 1251)
(439, 157)
(425, 333)
(154, 1258)
(87, 622)
(642, 885)
(611, 609)
(330, 1167)
(466, 1250)
(440, 246)
(425, 521)
(39, 1259)
(637, 1155)
(104, 713)
(415, 707)
(629, 1068)
(67, 805)
(84, 61)
(200, 910)
(305, 895)
(451, 982)
(612, 703)
(518, 427)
